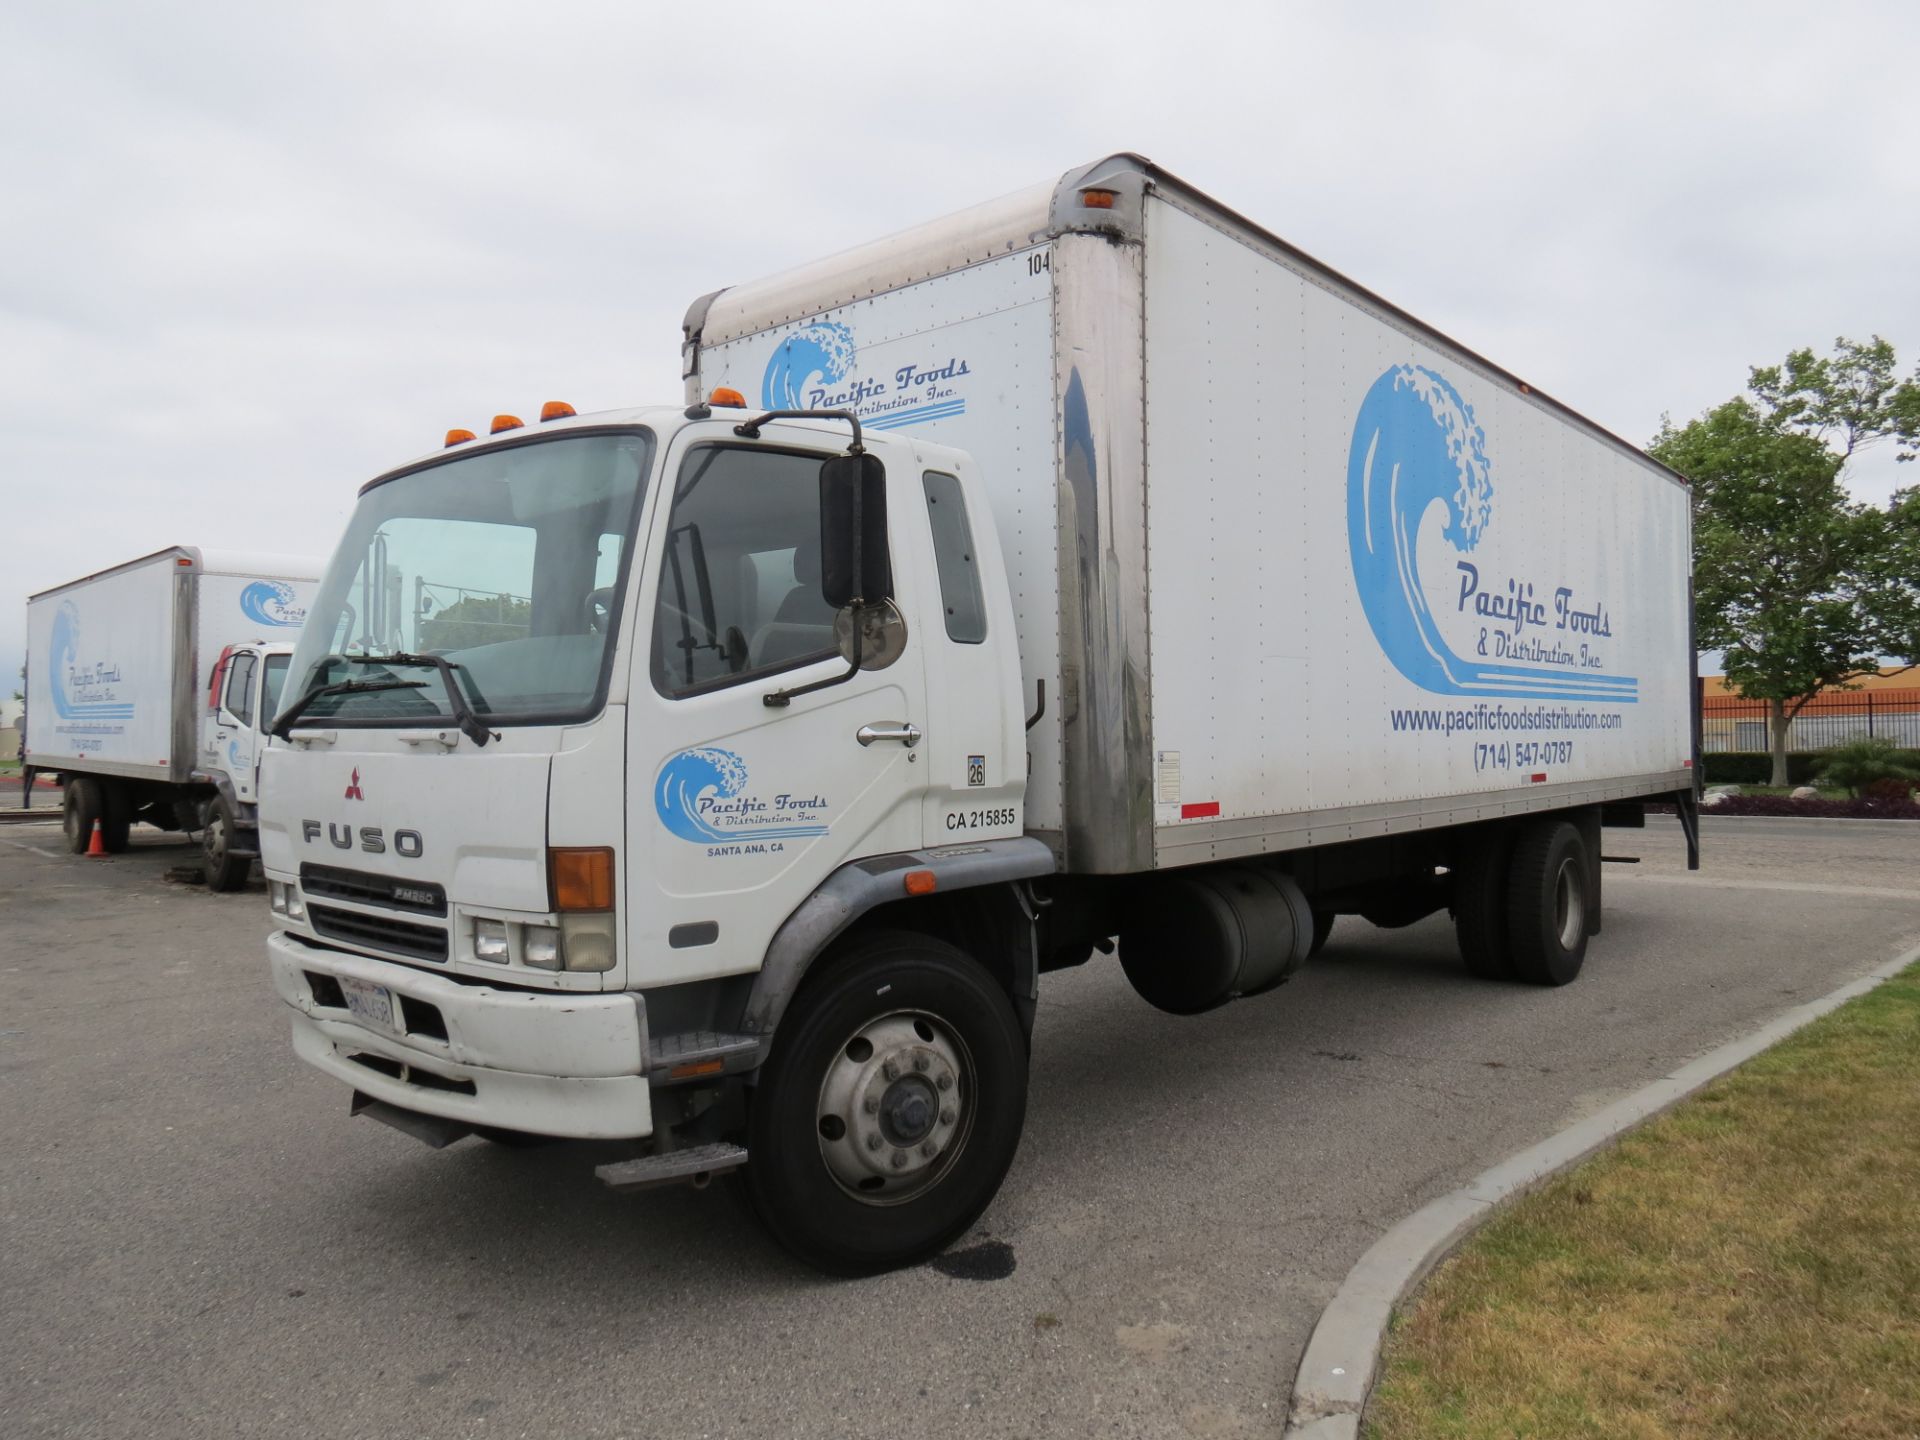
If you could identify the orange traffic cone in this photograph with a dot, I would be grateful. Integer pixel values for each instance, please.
(97, 846)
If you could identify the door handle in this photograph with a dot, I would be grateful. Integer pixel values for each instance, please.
(907, 733)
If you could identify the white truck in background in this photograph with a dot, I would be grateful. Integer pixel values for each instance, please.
(1091, 565)
(148, 688)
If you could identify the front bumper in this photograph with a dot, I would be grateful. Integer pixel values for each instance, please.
(565, 1064)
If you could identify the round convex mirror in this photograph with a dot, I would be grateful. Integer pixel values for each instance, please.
(883, 634)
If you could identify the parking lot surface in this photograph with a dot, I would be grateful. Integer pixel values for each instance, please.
(196, 1239)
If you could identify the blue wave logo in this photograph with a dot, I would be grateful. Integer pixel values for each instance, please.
(63, 654)
(269, 602)
(1416, 442)
(701, 796)
(233, 756)
(818, 354)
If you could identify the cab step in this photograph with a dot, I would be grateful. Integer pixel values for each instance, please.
(695, 1165)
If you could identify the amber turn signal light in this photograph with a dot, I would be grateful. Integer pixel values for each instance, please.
(920, 882)
(505, 422)
(582, 878)
(556, 410)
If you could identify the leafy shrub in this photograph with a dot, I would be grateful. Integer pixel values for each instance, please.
(1862, 809)
(1744, 767)
(1860, 763)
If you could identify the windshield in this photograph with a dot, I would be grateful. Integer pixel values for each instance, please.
(510, 563)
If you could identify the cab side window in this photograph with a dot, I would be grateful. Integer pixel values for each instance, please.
(955, 559)
(739, 592)
(240, 688)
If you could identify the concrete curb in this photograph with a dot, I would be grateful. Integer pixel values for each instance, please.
(1337, 1369)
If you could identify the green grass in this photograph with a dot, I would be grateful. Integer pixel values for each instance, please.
(1748, 1265)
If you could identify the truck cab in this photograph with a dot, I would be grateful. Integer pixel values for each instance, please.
(243, 694)
(598, 735)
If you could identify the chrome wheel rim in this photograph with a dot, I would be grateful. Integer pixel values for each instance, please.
(1569, 904)
(895, 1108)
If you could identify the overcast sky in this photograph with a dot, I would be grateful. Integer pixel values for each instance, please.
(250, 257)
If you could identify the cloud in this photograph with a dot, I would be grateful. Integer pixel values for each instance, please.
(254, 255)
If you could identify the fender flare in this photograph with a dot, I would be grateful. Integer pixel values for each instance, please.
(861, 885)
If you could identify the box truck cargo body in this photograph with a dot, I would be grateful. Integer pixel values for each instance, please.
(1298, 568)
(118, 671)
(1088, 570)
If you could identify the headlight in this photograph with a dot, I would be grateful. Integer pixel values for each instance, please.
(588, 941)
(540, 947)
(490, 941)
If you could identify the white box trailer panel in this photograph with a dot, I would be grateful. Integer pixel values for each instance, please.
(116, 660)
(100, 671)
(1202, 446)
(1380, 579)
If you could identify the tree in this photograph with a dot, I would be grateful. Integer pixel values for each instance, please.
(476, 620)
(1803, 589)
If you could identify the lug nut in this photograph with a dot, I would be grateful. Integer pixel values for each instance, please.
(946, 1116)
(871, 1105)
(891, 1070)
(928, 1149)
(899, 1159)
(874, 1142)
(945, 1082)
(920, 1063)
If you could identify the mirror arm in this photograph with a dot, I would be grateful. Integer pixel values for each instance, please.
(780, 699)
(750, 429)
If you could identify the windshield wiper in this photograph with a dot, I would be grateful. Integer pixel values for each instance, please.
(293, 712)
(463, 716)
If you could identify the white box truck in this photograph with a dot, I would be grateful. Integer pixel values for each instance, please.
(1091, 566)
(148, 687)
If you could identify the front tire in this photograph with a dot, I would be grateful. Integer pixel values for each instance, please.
(223, 869)
(890, 1107)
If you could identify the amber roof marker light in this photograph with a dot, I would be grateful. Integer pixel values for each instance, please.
(1098, 199)
(458, 437)
(504, 422)
(556, 410)
(728, 397)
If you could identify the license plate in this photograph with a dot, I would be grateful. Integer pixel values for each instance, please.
(371, 1005)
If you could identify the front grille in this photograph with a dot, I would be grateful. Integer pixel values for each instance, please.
(331, 882)
(402, 937)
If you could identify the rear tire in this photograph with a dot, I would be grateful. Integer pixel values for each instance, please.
(223, 869)
(81, 803)
(1480, 888)
(890, 1107)
(1322, 928)
(116, 817)
(1549, 900)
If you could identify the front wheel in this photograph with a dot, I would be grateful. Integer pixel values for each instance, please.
(890, 1108)
(223, 869)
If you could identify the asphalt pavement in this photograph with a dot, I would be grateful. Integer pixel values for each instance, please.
(196, 1239)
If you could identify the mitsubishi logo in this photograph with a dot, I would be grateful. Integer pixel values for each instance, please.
(353, 786)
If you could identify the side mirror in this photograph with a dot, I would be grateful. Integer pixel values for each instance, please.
(854, 563)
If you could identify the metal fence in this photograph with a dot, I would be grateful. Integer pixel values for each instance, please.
(1729, 722)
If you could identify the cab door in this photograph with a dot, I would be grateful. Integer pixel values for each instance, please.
(234, 735)
(738, 807)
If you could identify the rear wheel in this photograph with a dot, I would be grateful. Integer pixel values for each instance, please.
(81, 803)
(116, 816)
(890, 1107)
(1322, 928)
(1549, 903)
(223, 869)
(1480, 886)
